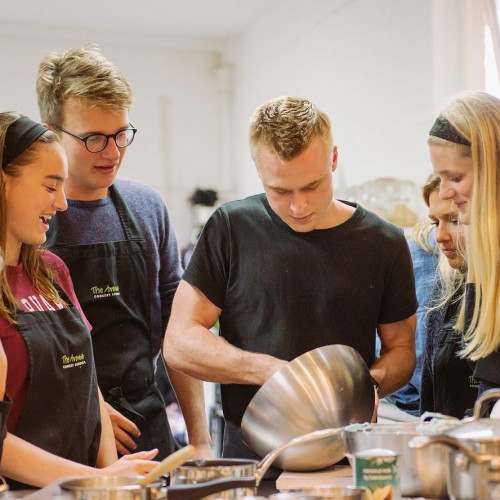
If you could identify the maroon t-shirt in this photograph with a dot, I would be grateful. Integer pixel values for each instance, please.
(13, 342)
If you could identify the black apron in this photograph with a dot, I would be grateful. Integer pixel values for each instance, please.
(455, 388)
(487, 369)
(61, 413)
(111, 283)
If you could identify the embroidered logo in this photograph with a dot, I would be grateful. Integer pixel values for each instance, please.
(73, 360)
(106, 291)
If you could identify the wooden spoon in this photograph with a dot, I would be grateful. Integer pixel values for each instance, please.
(168, 464)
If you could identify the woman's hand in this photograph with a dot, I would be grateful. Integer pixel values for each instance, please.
(135, 464)
(124, 430)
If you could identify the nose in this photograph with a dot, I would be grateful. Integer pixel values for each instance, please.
(442, 233)
(60, 203)
(298, 203)
(446, 192)
(111, 151)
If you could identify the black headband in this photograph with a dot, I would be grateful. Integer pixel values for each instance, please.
(20, 135)
(443, 129)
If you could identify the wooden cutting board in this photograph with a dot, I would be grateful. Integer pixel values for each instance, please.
(336, 475)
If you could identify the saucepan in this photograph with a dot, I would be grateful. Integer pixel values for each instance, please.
(240, 476)
(323, 493)
(473, 465)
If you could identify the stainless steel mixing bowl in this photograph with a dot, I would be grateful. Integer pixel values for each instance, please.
(328, 387)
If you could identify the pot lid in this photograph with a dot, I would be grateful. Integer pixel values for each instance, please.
(483, 429)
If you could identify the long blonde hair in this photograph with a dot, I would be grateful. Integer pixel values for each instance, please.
(37, 270)
(476, 117)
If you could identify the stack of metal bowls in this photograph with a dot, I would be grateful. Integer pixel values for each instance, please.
(328, 387)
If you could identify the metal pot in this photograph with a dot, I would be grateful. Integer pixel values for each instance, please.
(128, 488)
(322, 492)
(333, 492)
(422, 471)
(113, 488)
(243, 475)
(473, 464)
(200, 471)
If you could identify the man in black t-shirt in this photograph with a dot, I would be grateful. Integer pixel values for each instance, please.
(290, 270)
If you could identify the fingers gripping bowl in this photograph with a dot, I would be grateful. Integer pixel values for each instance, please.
(328, 387)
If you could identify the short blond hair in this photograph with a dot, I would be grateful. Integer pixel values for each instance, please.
(82, 73)
(287, 126)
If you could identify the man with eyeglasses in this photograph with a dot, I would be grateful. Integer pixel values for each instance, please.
(119, 244)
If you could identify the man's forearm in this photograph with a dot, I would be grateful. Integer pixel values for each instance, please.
(393, 369)
(191, 397)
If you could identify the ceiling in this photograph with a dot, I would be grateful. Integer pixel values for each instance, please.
(214, 19)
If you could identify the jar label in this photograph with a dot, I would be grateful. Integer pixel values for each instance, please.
(378, 471)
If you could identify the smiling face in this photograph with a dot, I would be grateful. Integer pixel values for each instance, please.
(448, 230)
(457, 175)
(300, 191)
(91, 174)
(33, 197)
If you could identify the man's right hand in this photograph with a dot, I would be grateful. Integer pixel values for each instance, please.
(124, 430)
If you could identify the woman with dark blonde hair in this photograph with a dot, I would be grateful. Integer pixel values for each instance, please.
(447, 385)
(57, 423)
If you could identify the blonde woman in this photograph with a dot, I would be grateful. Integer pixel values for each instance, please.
(464, 146)
(57, 425)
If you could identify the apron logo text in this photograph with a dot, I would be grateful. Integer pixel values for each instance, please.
(107, 291)
(73, 360)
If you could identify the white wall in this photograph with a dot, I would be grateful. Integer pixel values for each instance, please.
(379, 68)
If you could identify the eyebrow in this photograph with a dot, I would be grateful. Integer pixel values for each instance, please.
(55, 177)
(313, 183)
(96, 132)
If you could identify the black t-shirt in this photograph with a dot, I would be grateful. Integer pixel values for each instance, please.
(284, 293)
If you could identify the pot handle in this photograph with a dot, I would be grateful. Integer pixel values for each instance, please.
(423, 441)
(486, 396)
(200, 490)
(268, 460)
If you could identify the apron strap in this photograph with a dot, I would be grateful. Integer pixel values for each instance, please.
(129, 222)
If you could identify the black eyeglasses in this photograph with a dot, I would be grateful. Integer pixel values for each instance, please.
(96, 143)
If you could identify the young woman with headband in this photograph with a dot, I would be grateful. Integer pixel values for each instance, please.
(57, 426)
(464, 146)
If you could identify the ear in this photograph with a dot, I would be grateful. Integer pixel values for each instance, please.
(5, 178)
(334, 158)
